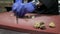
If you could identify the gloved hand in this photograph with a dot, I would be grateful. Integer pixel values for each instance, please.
(17, 9)
(29, 7)
(20, 9)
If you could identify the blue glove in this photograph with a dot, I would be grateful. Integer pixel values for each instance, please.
(30, 7)
(21, 9)
(16, 4)
(18, 1)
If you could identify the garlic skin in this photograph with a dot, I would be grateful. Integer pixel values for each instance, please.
(37, 25)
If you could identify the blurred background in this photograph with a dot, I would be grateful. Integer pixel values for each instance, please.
(5, 6)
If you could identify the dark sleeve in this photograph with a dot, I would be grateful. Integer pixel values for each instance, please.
(48, 3)
(48, 7)
(14, 1)
(29, 0)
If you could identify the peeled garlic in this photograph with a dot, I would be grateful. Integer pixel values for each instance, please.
(33, 16)
(52, 24)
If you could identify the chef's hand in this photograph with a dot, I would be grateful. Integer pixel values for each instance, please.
(21, 9)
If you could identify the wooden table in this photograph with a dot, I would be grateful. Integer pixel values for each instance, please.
(8, 21)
